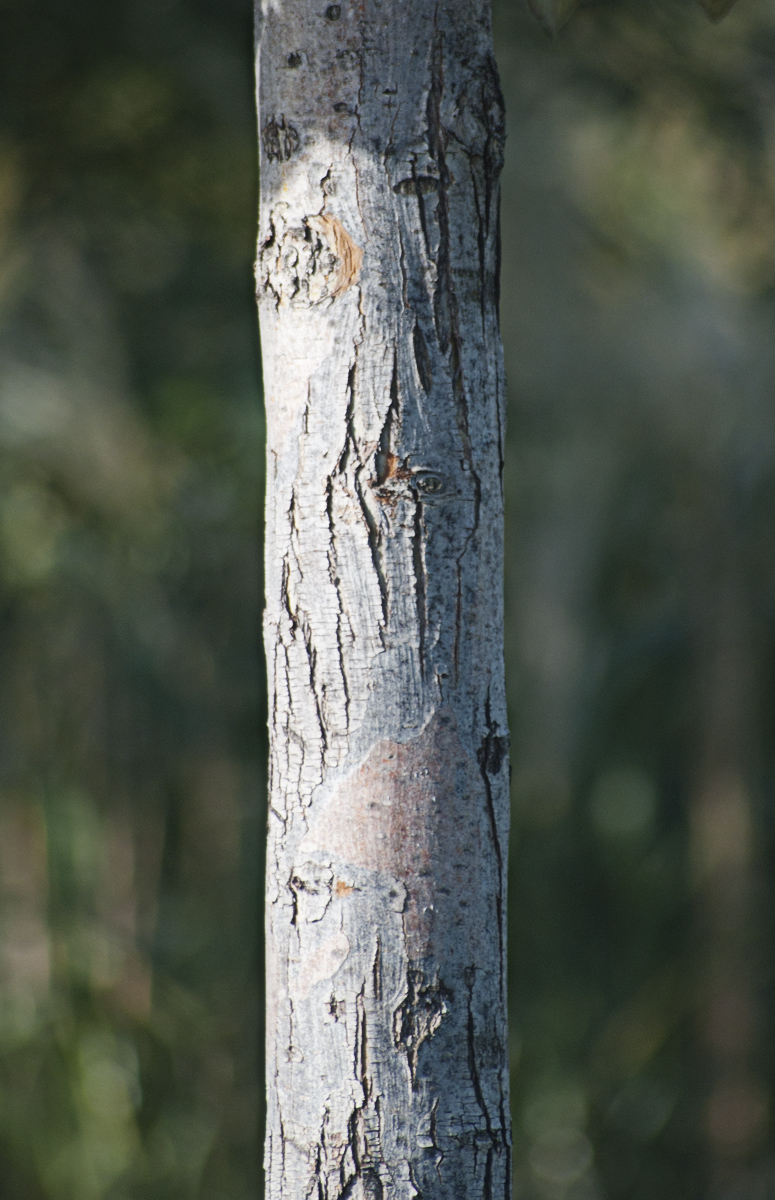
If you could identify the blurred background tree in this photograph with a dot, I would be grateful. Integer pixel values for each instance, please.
(638, 313)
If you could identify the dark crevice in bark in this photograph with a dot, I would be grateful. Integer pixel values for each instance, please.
(312, 659)
(494, 114)
(509, 1152)
(418, 1194)
(375, 544)
(488, 1174)
(491, 755)
(418, 1016)
(319, 1154)
(436, 147)
(446, 309)
(420, 583)
(376, 970)
(363, 1064)
(473, 1070)
(340, 615)
(481, 243)
(434, 1135)
(419, 185)
(458, 620)
(422, 358)
(385, 458)
(445, 299)
(286, 590)
(357, 1151)
(350, 443)
(299, 621)
(373, 532)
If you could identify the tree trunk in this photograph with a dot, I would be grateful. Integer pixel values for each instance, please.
(381, 133)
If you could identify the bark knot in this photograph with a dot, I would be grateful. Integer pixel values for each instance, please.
(280, 139)
(307, 264)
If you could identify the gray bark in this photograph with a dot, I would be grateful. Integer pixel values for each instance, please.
(381, 131)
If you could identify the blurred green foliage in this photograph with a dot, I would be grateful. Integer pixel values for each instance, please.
(638, 320)
(638, 314)
(131, 697)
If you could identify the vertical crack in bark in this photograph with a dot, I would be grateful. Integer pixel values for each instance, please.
(350, 441)
(383, 463)
(446, 306)
(375, 545)
(420, 582)
(481, 242)
(420, 185)
(491, 755)
(473, 1070)
(418, 1016)
(357, 1151)
(360, 483)
(336, 581)
(376, 970)
(300, 622)
(312, 659)
(445, 298)
(435, 1137)
(494, 114)
(320, 1156)
(422, 358)
(488, 1174)
(363, 1065)
(385, 458)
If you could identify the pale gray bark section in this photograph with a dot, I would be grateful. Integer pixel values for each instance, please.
(381, 141)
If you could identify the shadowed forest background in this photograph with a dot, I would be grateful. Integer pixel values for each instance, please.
(638, 314)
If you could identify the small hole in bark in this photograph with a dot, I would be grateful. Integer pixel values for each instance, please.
(294, 60)
(429, 484)
(341, 108)
(423, 185)
(333, 12)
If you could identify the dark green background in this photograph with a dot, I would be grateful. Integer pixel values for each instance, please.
(638, 312)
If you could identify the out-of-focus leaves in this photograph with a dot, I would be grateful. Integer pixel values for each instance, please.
(553, 14)
(717, 9)
(130, 701)
(637, 312)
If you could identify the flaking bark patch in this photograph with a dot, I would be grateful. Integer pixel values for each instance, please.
(309, 263)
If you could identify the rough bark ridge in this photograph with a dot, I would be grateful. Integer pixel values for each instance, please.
(381, 131)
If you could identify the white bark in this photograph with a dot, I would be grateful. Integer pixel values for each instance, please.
(381, 141)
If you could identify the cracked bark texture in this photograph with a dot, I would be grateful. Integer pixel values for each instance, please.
(381, 130)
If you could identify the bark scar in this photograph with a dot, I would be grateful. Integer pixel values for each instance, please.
(307, 264)
(349, 256)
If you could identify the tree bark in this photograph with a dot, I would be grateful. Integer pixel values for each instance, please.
(381, 130)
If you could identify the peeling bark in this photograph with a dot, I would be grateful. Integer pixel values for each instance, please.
(381, 146)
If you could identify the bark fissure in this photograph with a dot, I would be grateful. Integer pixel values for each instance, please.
(419, 581)
(492, 755)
